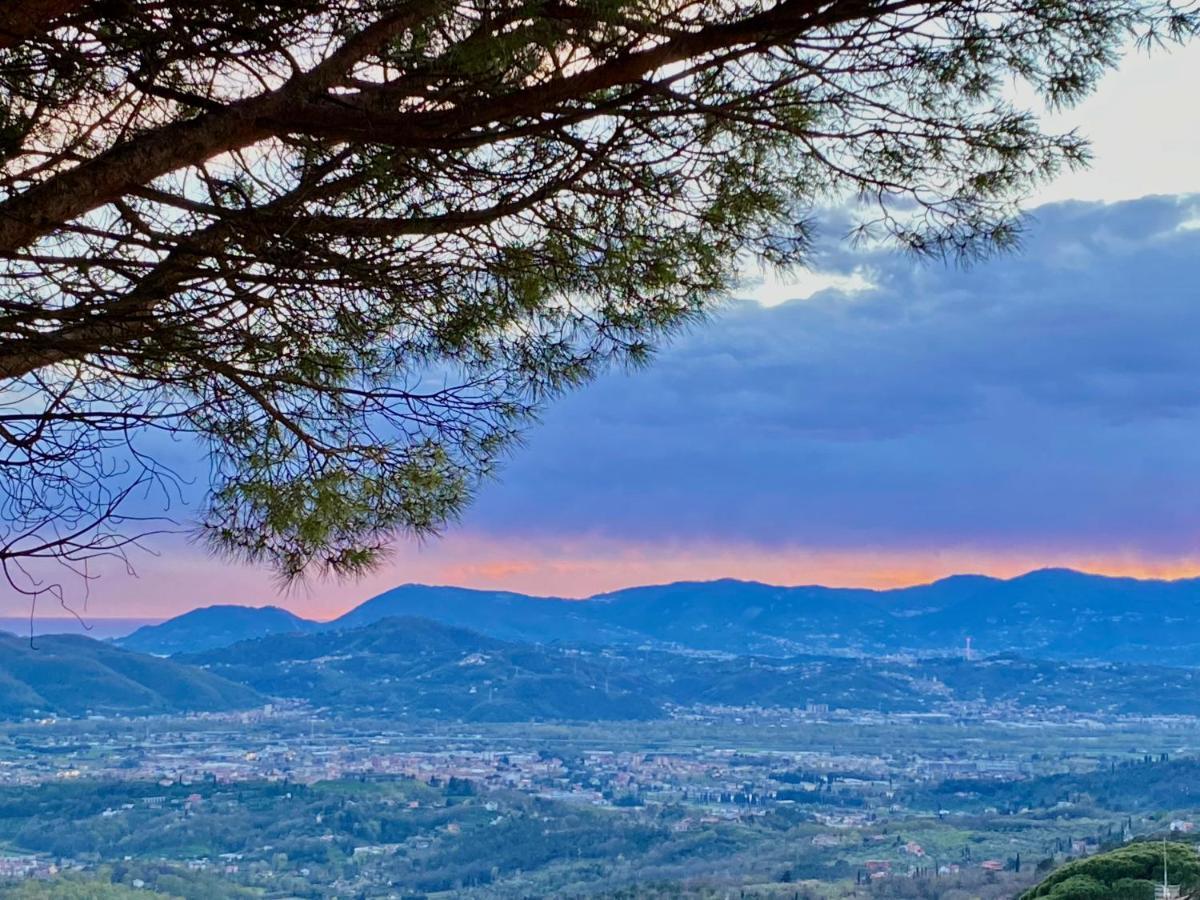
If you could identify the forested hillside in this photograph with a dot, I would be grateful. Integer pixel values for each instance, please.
(74, 676)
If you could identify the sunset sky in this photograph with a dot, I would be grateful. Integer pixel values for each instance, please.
(876, 422)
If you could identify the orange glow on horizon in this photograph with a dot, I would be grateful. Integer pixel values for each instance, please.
(182, 578)
(582, 576)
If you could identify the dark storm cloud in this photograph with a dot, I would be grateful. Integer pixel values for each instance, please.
(1048, 396)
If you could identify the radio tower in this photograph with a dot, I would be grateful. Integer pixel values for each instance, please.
(1166, 888)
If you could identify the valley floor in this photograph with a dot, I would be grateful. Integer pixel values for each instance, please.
(293, 802)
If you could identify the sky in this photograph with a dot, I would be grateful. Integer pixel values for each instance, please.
(874, 422)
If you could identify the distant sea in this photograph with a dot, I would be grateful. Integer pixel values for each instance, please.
(92, 626)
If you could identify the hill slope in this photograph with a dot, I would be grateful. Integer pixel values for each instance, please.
(74, 676)
(420, 668)
(417, 667)
(501, 614)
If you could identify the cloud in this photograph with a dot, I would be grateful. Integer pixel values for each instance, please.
(1049, 398)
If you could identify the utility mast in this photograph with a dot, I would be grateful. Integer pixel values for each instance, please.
(1165, 892)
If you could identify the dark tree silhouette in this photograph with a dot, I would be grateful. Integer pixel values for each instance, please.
(352, 246)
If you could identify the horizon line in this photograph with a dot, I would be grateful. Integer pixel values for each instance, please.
(630, 587)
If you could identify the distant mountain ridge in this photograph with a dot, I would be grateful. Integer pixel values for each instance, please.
(1048, 613)
(213, 626)
(98, 627)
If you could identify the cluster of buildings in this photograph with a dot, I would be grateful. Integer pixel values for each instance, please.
(17, 867)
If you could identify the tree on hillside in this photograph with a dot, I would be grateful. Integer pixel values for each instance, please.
(350, 247)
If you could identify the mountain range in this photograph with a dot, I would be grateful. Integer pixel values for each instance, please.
(406, 667)
(1056, 614)
(416, 668)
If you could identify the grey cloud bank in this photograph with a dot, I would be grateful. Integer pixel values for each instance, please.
(1047, 397)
